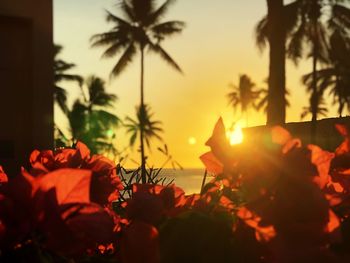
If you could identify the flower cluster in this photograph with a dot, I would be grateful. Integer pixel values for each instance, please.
(292, 198)
(62, 202)
(271, 199)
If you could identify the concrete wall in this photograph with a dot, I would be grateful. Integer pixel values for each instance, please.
(26, 80)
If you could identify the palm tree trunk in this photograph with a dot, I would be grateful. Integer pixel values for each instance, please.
(247, 118)
(315, 94)
(276, 108)
(142, 121)
(314, 97)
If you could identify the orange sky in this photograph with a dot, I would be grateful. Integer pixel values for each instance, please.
(216, 46)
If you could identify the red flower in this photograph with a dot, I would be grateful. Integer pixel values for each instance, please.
(3, 176)
(105, 183)
(280, 182)
(150, 203)
(58, 204)
(140, 243)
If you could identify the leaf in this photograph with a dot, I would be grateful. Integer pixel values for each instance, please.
(166, 149)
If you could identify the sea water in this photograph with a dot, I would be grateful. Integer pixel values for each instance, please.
(190, 180)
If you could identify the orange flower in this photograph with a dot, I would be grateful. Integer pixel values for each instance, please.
(105, 183)
(3, 176)
(140, 243)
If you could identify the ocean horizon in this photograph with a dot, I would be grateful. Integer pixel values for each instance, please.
(189, 179)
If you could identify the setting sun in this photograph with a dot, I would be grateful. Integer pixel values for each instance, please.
(192, 141)
(235, 136)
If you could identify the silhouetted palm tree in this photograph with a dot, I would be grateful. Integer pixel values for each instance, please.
(152, 128)
(304, 22)
(139, 28)
(243, 95)
(336, 76)
(89, 120)
(263, 98)
(321, 109)
(272, 30)
(309, 28)
(60, 74)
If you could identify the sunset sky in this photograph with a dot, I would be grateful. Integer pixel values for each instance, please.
(216, 46)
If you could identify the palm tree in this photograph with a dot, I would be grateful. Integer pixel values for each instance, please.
(60, 74)
(263, 96)
(309, 28)
(152, 128)
(139, 28)
(243, 95)
(321, 109)
(304, 22)
(272, 30)
(89, 120)
(336, 76)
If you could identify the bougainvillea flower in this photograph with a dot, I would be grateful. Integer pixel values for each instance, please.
(3, 176)
(58, 204)
(262, 233)
(72, 228)
(322, 160)
(47, 160)
(150, 203)
(344, 146)
(280, 181)
(71, 185)
(140, 243)
(105, 183)
(211, 163)
(72, 158)
(145, 207)
(220, 146)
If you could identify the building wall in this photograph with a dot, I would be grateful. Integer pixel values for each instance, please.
(26, 80)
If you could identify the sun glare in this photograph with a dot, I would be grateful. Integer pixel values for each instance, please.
(192, 141)
(235, 136)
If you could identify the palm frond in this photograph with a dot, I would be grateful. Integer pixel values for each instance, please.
(156, 48)
(340, 16)
(261, 33)
(124, 60)
(167, 29)
(69, 77)
(117, 20)
(60, 97)
(160, 12)
(295, 44)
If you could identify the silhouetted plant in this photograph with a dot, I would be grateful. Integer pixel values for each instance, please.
(272, 30)
(310, 21)
(335, 77)
(263, 99)
(60, 74)
(89, 120)
(321, 109)
(139, 28)
(152, 128)
(243, 96)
